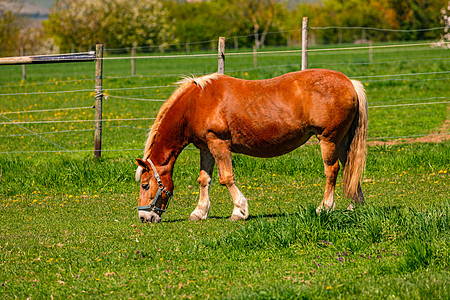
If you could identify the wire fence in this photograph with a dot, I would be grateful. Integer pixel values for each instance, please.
(122, 95)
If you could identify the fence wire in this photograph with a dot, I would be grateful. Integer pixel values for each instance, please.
(366, 78)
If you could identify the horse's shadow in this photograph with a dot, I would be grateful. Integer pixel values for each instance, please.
(251, 217)
(382, 210)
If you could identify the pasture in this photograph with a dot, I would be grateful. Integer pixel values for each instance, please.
(69, 226)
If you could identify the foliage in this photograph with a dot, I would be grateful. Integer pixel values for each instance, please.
(116, 23)
(385, 14)
(197, 23)
(8, 29)
(158, 25)
(445, 37)
(251, 17)
(251, 20)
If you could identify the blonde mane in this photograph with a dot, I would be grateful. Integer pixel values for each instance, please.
(201, 82)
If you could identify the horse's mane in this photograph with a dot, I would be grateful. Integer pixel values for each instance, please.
(201, 82)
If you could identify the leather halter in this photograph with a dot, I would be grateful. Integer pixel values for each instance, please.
(161, 188)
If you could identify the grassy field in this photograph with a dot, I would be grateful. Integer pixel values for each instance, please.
(69, 226)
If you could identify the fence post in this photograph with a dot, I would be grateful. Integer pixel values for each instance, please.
(305, 43)
(255, 56)
(221, 53)
(24, 73)
(98, 100)
(371, 51)
(133, 62)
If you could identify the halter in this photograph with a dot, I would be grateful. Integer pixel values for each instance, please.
(161, 188)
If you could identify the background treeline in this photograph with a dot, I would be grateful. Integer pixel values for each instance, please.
(155, 25)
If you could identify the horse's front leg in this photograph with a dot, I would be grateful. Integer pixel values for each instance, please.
(220, 149)
(204, 179)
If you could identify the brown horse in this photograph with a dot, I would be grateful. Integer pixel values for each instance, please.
(264, 118)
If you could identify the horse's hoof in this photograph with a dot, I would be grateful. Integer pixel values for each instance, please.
(351, 206)
(234, 218)
(326, 209)
(197, 215)
(194, 218)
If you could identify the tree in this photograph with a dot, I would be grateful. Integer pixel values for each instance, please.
(251, 16)
(8, 29)
(117, 23)
(197, 23)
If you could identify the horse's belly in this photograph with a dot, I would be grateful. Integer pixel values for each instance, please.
(269, 147)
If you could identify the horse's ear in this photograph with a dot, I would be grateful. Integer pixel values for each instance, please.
(142, 163)
(141, 167)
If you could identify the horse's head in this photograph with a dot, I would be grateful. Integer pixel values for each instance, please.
(153, 195)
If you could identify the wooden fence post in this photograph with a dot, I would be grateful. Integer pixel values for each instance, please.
(255, 56)
(98, 100)
(305, 43)
(221, 54)
(371, 51)
(24, 73)
(133, 62)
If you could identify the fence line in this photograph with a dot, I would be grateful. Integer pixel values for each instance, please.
(39, 136)
(99, 91)
(406, 79)
(46, 110)
(267, 52)
(136, 99)
(38, 93)
(408, 74)
(179, 75)
(140, 119)
(172, 86)
(71, 121)
(199, 74)
(275, 32)
(378, 29)
(414, 99)
(407, 136)
(87, 90)
(193, 148)
(74, 130)
(46, 83)
(409, 104)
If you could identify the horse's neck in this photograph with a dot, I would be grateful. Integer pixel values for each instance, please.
(168, 144)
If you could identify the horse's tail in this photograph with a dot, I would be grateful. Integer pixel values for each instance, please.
(354, 145)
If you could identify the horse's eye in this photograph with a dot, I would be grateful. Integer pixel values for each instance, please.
(145, 186)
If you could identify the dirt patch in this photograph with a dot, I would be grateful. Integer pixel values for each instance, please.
(440, 135)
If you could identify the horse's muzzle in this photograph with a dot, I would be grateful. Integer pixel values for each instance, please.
(149, 217)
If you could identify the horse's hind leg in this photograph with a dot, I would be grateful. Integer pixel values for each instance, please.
(220, 149)
(204, 179)
(331, 165)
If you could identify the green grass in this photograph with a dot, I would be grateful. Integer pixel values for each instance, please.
(69, 225)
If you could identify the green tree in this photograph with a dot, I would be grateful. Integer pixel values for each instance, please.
(8, 30)
(252, 17)
(116, 23)
(196, 24)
